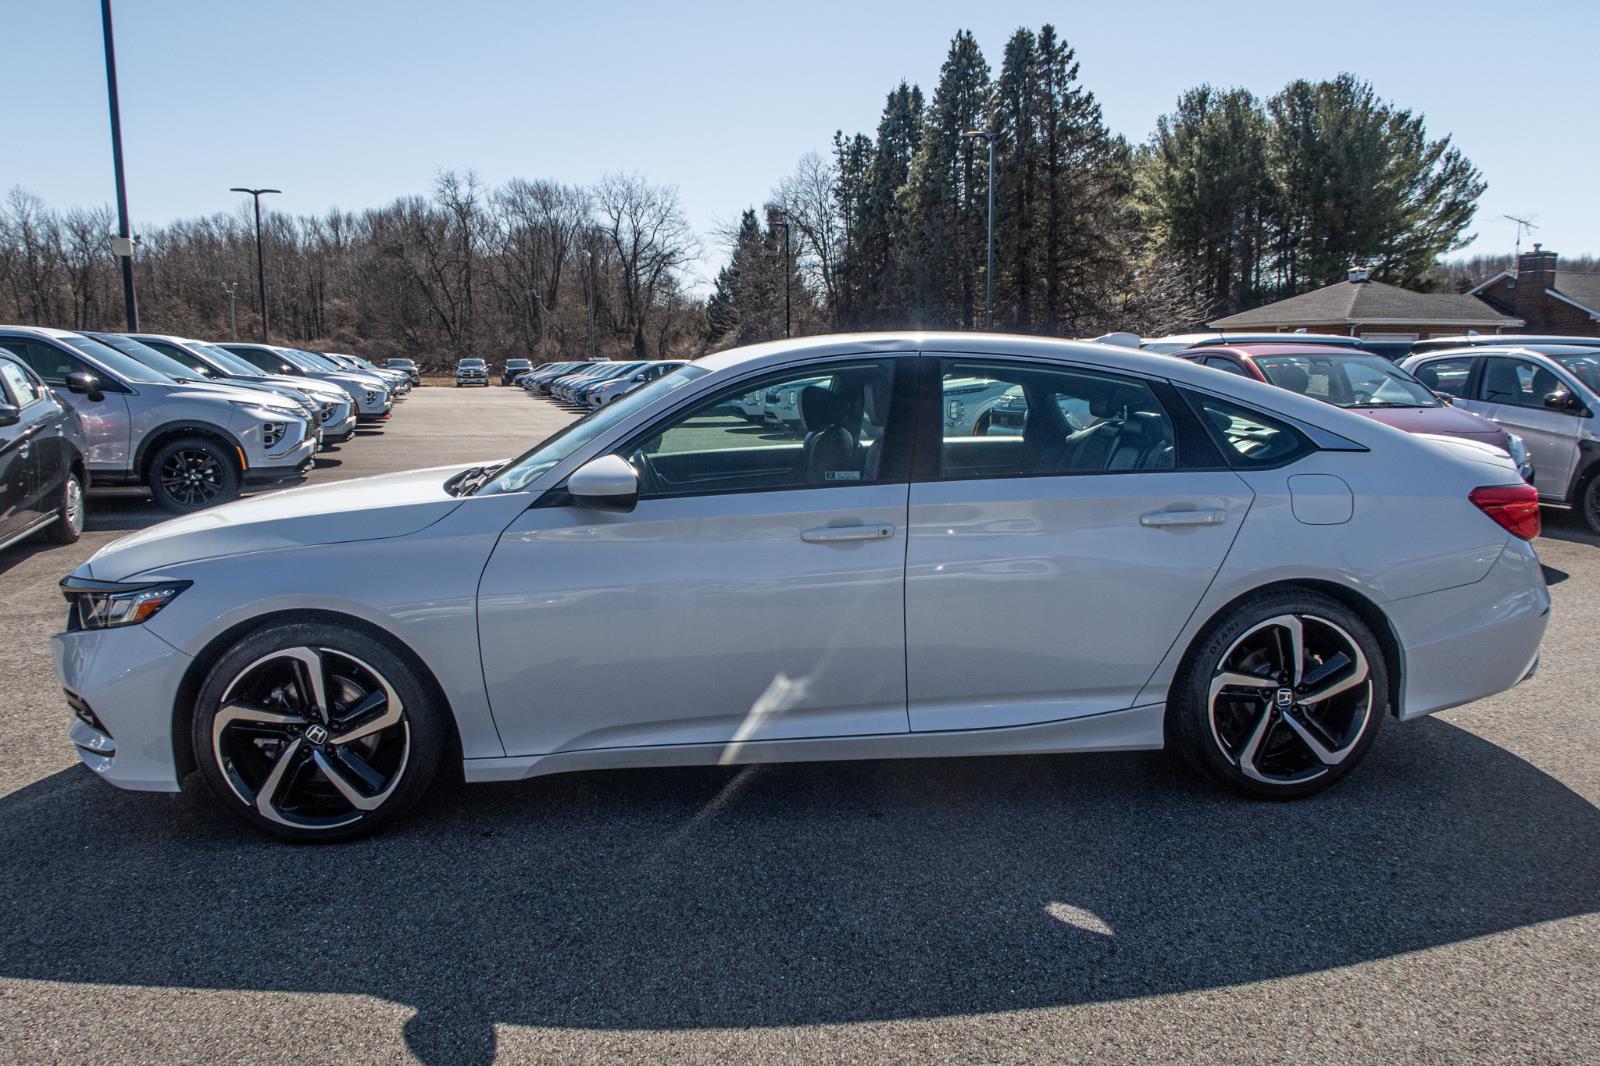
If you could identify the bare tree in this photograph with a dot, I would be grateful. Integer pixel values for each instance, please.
(645, 227)
(809, 204)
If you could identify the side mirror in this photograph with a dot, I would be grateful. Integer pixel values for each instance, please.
(10, 414)
(85, 384)
(608, 483)
(1562, 400)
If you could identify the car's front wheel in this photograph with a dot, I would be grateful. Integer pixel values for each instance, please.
(1589, 504)
(1281, 697)
(310, 731)
(190, 473)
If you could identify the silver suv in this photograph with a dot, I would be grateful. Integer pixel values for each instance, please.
(1548, 394)
(371, 395)
(336, 411)
(194, 445)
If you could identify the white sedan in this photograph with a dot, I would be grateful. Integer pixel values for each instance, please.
(1198, 561)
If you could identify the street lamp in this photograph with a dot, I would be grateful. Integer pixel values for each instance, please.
(774, 219)
(122, 246)
(588, 291)
(233, 314)
(988, 274)
(261, 267)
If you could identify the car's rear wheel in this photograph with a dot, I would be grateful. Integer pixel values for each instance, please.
(191, 473)
(316, 732)
(71, 512)
(1282, 697)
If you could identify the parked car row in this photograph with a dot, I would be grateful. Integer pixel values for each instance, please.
(194, 422)
(592, 384)
(1534, 398)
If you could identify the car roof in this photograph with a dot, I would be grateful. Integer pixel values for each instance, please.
(1258, 350)
(42, 331)
(1546, 350)
(1478, 340)
(1200, 340)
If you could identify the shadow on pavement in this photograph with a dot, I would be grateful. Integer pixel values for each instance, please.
(784, 895)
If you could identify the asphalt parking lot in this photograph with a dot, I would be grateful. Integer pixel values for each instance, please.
(1440, 904)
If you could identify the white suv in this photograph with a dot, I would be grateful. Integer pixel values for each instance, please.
(193, 444)
(1547, 394)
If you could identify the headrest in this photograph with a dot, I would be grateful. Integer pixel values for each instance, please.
(1291, 377)
(875, 399)
(820, 408)
(1111, 402)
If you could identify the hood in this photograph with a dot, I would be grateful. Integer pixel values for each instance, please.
(350, 377)
(1443, 421)
(209, 390)
(373, 508)
(310, 386)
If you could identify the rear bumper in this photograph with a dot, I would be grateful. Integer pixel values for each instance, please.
(127, 677)
(1466, 643)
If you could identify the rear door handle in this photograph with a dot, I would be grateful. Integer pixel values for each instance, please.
(1161, 519)
(839, 534)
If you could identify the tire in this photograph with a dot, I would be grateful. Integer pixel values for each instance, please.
(71, 512)
(192, 473)
(1589, 503)
(1256, 734)
(393, 748)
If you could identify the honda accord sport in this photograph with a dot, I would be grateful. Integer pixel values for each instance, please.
(1253, 578)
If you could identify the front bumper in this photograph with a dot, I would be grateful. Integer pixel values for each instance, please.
(1472, 641)
(128, 678)
(283, 465)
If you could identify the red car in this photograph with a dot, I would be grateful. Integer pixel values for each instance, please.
(1360, 381)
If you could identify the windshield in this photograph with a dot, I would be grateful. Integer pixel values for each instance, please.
(315, 361)
(153, 359)
(123, 365)
(1355, 380)
(229, 362)
(523, 470)
(1583, 365)
(472, 362)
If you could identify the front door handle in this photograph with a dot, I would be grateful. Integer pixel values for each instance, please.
(1164, 519)
(839, 534)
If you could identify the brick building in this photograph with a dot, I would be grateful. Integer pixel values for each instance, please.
(1547, 300)
(1374, 311)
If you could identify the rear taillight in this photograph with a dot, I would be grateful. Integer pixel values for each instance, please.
(1515, 508)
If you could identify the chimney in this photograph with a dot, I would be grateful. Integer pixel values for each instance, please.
(1536, 272)
(1358, 273)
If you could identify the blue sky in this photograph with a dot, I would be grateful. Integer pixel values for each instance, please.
(350, 103)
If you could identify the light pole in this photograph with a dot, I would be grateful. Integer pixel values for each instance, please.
(261, 266)
(775, 218)
(122, 246)
(988, 273)
(588, 291)
(233, 313)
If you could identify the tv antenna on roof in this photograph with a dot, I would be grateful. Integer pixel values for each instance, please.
(1523, 224)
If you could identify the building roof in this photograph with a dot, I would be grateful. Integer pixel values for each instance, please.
(1370, 303)
(1575, 287)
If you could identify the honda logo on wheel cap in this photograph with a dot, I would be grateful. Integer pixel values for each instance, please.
(1284, 698)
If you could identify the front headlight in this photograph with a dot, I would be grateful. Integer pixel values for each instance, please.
(1518, 449)
(109, 604)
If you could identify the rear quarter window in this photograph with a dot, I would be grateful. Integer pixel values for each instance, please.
(1248, 439)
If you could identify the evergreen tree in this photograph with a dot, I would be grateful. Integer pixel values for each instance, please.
(1358, 179)
(947, 192)
(1205, 193)
(1016, 125)
(882, 228)
(1085, 179)
(852, 159)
